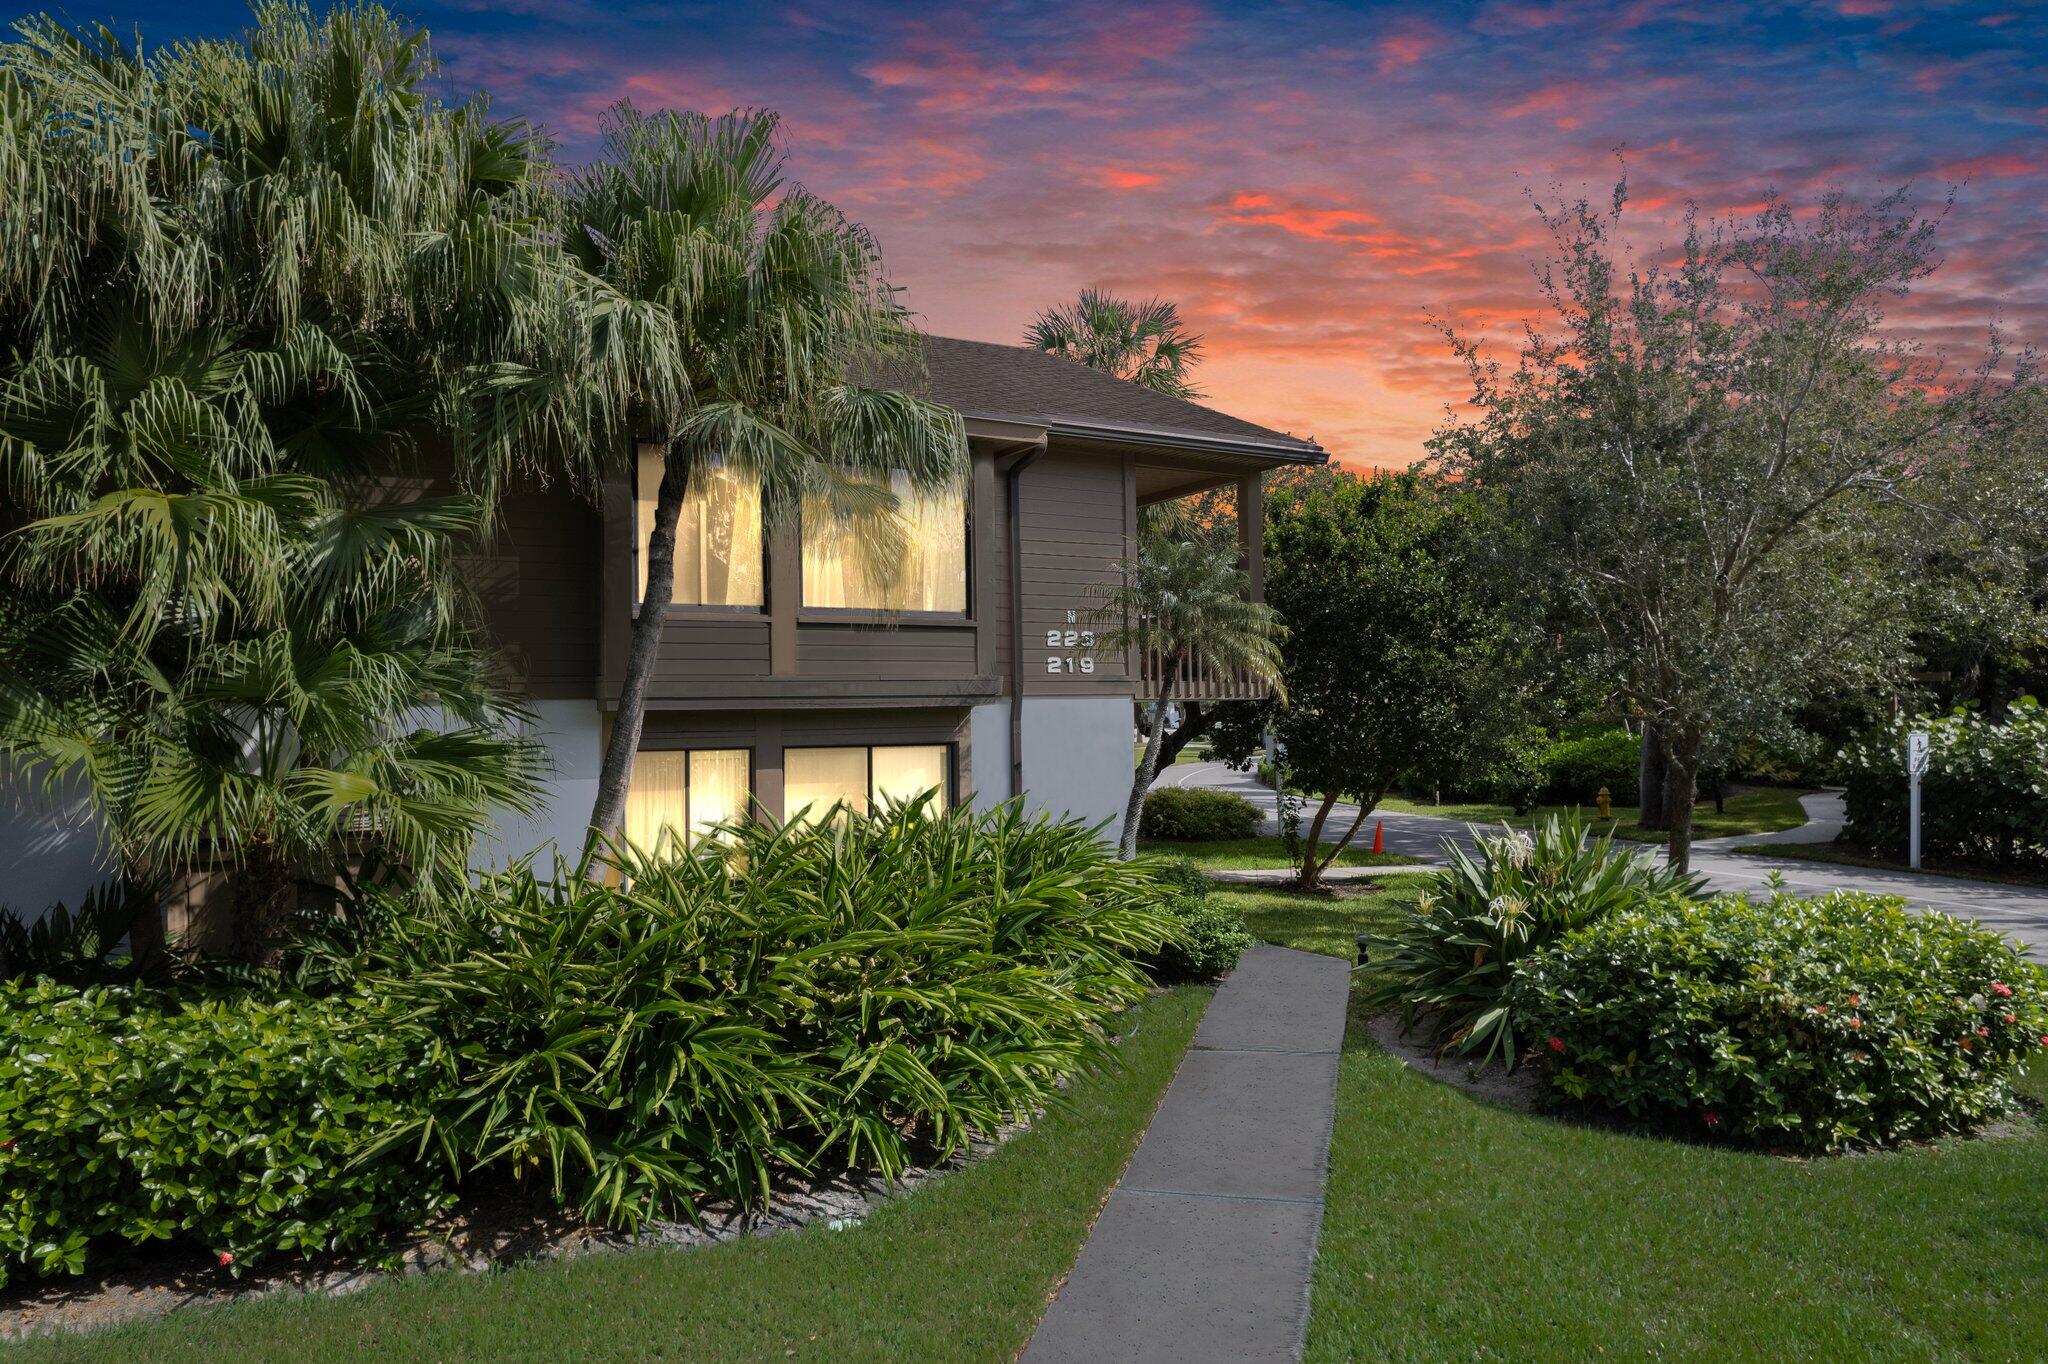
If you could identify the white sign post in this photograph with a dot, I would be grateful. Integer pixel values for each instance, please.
(1916, 767)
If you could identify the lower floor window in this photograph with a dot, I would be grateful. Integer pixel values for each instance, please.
(863, 778)
(680, 794)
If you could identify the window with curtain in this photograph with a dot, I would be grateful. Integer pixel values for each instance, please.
(680, 795)
(931, 574)
(718, 535)
(863, 778)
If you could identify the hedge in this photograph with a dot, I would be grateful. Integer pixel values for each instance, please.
(1984, 797)
(1192, 814)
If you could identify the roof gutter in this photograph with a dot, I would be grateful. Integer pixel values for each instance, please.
(1012, 472)
(1308, 452)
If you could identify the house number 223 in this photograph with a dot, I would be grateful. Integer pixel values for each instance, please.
(1070, 638)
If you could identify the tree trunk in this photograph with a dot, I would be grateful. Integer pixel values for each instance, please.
(1310, 872)
(1194, 723)
(1650, 777)
(1314, 861)
(1681, 757)
(608, 816)
(1148, 766)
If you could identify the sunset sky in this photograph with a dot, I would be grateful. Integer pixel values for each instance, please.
(1310, 182)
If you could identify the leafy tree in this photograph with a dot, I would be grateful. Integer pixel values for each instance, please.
(1145, 343)
(1391, 659)
(774, 299)
(1185, 603)
(1697, 465)
(241, 282)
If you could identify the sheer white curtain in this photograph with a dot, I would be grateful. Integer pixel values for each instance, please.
(901, 773)
(718, 534)
(931, 576)
(676, 796)
(816, 777)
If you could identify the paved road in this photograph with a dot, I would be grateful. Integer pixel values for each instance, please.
(2021, 911)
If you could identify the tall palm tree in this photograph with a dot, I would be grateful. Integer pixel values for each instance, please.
(776, 299)
(1145, 343)
(1184, 603)
(240, 282)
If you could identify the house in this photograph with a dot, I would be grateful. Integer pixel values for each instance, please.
(786, 678)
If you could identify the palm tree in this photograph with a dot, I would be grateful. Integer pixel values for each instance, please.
(1184, 603)
(240, 282)
(1145, 343)
(775, 299)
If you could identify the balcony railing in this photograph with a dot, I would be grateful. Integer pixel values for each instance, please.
(1198, 683)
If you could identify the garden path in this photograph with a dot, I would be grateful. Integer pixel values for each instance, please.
(1205, 1248)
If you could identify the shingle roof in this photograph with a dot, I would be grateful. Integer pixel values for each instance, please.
(1020, 384)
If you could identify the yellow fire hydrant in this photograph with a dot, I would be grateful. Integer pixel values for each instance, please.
(1606, 803)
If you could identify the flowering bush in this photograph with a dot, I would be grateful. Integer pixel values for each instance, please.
(1454, 956)
(1808, 1025)
(1985, 795)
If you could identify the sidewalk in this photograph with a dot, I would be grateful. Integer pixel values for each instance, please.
(1206, 1247)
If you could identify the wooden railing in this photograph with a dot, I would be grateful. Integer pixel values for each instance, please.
(1198, 683)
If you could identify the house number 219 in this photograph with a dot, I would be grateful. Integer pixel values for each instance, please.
(1070, 638)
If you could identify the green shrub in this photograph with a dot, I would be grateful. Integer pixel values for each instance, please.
(1574, 770)
(1192, 814)
(851, 993)
(77, 947)
(1454, 955)
(129, 1115)
(1984, 797)
(1208, 937)
(1802, 1024)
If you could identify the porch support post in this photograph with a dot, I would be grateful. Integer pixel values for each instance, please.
(1251, 532)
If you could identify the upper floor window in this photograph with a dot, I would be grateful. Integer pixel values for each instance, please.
(718, 535)
(930, 576)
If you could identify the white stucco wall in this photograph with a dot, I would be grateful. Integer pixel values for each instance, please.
(49, 853)
(574, 734)
(1077, 756)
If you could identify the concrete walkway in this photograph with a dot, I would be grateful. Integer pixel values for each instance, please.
(1204, 1250)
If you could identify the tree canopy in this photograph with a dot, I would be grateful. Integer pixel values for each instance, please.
(1715, 468)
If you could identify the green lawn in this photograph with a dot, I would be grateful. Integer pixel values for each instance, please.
(1322, 923)
(960, 1270)
(1759, 810)
(1455, 1229)
(1193, 753)
(1839, 855)
(1252, 854)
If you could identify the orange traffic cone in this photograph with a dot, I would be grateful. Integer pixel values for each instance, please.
(1379, 836)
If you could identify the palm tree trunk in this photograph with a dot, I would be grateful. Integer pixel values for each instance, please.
(608, 815)
(1148, 766)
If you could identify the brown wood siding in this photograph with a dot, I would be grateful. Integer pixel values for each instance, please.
(902, 653)
(1076, 535)
(537, 578)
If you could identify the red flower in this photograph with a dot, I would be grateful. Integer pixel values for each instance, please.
(1855, 999)
(1856, 1023)
(1983, 1032)
(227, 1257)
(1557, 1043)
(7, 1145)
(2009, 1018)
(1966, 1042)
(1711, 1119)
(2002, 990)
(1820, 1008)
(2044, 1041)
